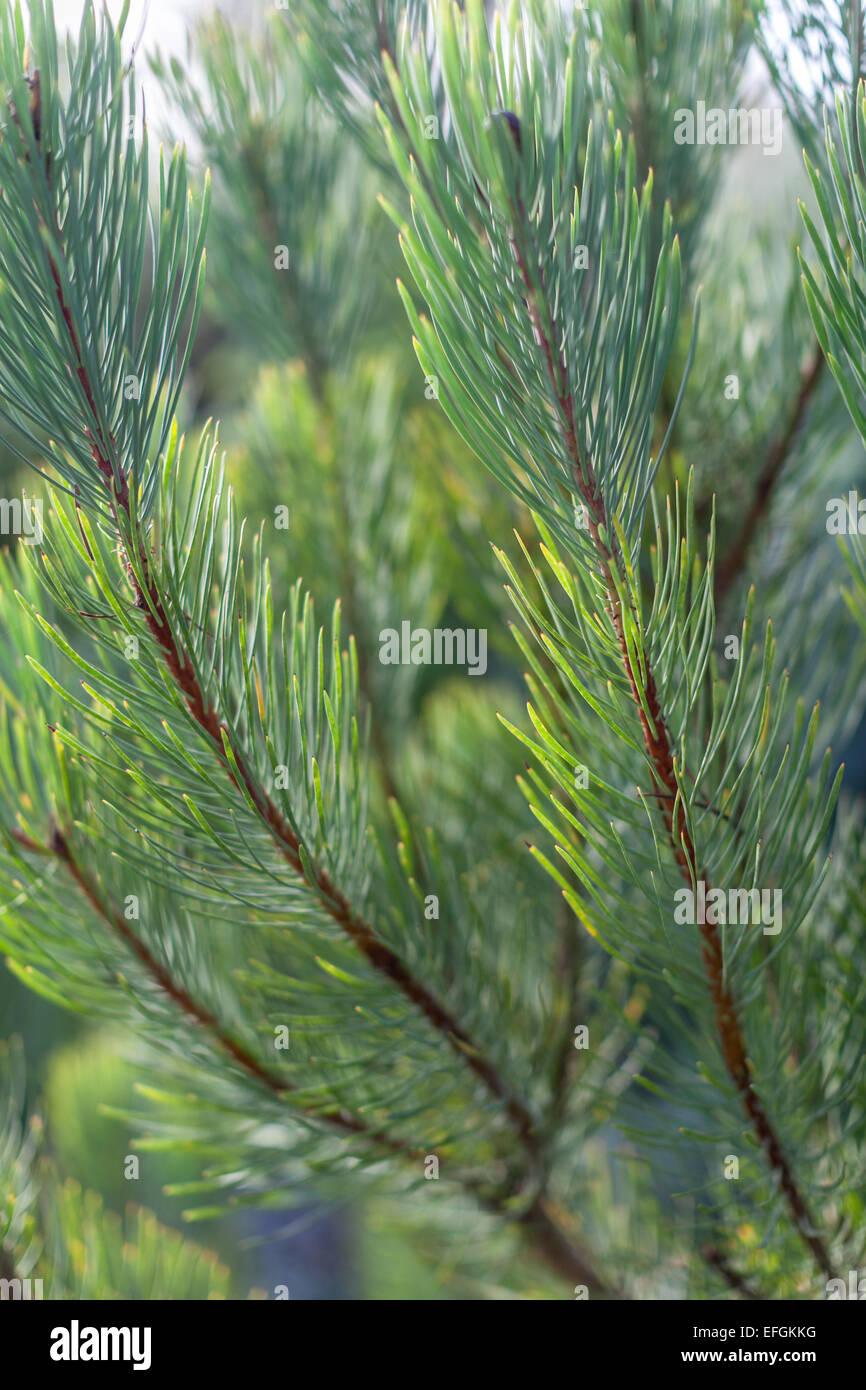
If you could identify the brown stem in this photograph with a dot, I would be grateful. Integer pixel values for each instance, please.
(546, 1229)
(543, 1226)
(732, 1277)
(341, 1119)
(659, 750)
(731, 564)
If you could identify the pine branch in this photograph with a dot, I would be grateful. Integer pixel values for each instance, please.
(730, 565)
(836, 304)
(544, 1228)
(663, 765)
(383, 959)
(60, 847)
(452, 254)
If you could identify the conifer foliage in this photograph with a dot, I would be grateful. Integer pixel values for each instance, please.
(559, 969)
